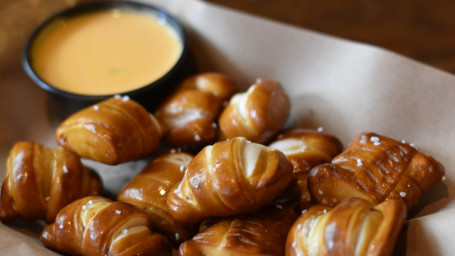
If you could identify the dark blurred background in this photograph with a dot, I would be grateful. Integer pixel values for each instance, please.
(423, 30)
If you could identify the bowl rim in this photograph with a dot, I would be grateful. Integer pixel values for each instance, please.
(169, 19)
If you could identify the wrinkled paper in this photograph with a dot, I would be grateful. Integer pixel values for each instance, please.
(344, 87)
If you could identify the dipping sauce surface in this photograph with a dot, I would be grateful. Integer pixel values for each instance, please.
(105, 52)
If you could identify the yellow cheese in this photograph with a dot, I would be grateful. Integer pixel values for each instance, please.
(105, 52)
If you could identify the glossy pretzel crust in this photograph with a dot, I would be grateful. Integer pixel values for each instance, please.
(149, 190)
(375, 168)
(259, 234)
(353, 227)
(306, 149)
(231, 177)
(189, 115)
(97, 226)
(257, 114)
(113, 131)
(40, 181)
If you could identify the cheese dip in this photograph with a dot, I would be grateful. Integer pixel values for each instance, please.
(105, 52)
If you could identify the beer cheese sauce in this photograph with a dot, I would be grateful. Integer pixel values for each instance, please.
(105, 52)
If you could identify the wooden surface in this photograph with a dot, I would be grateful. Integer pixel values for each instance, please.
(423, 30)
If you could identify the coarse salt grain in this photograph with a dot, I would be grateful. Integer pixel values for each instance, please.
(45, 235)
(197, 137)
(359, 162)
(96, 107)
(374, 138)
(402, 194)
(320, 129)
(118, 212)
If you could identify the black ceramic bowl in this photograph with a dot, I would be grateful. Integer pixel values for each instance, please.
(149, 95)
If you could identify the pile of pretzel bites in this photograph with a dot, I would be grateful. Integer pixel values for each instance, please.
(225, 179)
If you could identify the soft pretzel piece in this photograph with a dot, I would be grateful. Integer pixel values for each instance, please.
(375, 167)
(113, 131)
(40, 181)
(149, 191)
(260, 233)
(353, 227)
(189, 115)
(97, 226)
(217, 84)
(257, 114)
(230, 177)
(306, 149)
(189, 118)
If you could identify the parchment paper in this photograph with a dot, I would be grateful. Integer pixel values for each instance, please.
(344, 87)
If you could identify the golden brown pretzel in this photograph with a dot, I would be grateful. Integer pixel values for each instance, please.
(231, 177)
(257, 114)
(149, 191)
(113, 131)
(259, 233)
(217, 84)
(189, 115)
(375, 167)
(353, 227)
(306, 149)
(97, 226)
(40, 181)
